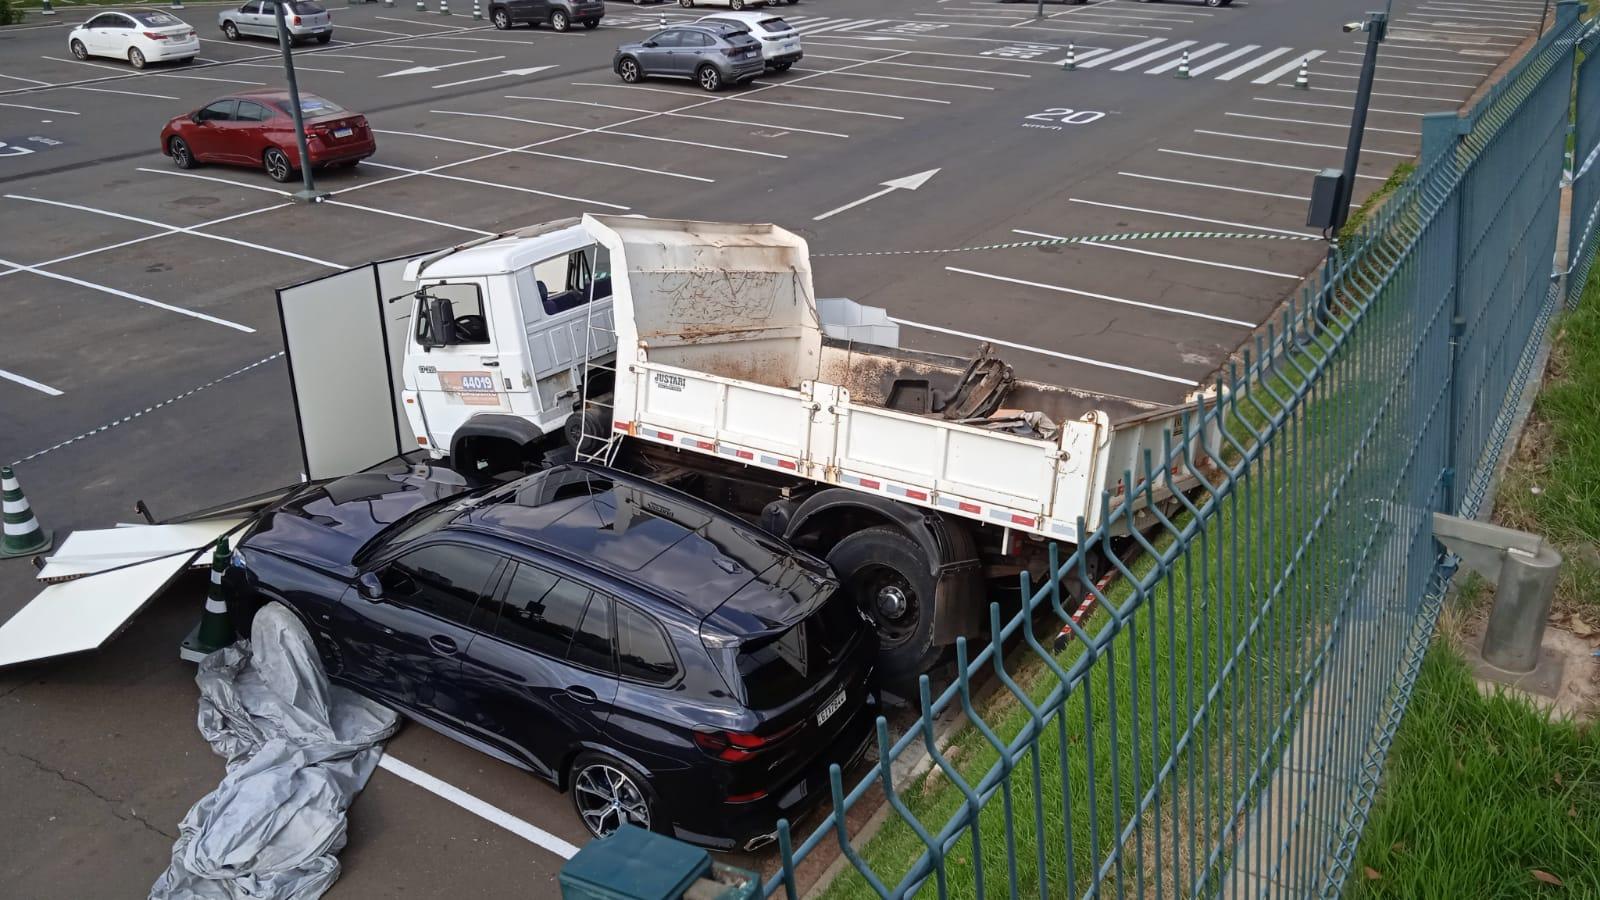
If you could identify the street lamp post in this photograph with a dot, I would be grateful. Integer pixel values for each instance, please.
(307, 194)
(1332, 188)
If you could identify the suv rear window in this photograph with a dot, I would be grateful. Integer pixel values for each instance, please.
(774, 669)
(776, 26)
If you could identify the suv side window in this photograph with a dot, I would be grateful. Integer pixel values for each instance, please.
(591, 646)
(444, 580)
(541, 611)
(643, 652)
(669, 38)
(697, 39)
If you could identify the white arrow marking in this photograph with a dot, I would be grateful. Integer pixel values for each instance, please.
(418, 70)
(518, 72)
(908, 183)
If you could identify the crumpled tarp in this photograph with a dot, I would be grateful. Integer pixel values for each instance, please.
(298, 750)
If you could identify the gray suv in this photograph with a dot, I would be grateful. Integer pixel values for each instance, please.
(305, 20)
(561, 14)
(711, 54)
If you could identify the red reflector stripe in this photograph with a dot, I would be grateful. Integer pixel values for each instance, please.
(745, 454)
(664, 435)
(621, 426)
(705, 445)
(869, 483)
(916, 495)
(785, 464)
(969, 507)
(1022, 520)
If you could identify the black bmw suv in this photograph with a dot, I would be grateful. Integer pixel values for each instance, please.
(667, 664)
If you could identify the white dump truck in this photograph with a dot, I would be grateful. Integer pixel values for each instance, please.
(698, 354)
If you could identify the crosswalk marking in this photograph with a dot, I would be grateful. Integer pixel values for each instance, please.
(1225, 58)
(1173, 64)
(1286, 68)
(1261, 60)
(1100, 58)
(1138, 61)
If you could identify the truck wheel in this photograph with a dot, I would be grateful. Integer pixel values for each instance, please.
(887, 573)
(591, 426)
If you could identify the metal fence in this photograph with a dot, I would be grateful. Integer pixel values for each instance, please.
(1220, 721)
(1584, 231)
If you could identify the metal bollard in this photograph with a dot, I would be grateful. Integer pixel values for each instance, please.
(1524, 568)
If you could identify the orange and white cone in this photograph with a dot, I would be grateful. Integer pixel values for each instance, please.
(22, 535)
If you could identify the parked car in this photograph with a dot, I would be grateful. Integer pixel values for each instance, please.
(559, 13)
(139, 36)
(712, 54)
(256, 128)
(780, 42)
(666, 664)
(259, 18)
(731, 4)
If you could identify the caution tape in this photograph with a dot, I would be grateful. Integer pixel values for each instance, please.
(1127, 237)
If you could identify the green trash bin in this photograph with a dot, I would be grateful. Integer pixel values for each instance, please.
(634, 864)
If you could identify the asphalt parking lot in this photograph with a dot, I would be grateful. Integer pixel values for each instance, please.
(140, 356)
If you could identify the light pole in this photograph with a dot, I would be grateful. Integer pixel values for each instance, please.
(309, 193)
(1331, 189)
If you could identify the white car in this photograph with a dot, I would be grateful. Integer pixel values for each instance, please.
(731, 4)
(140, 36)
(780, 42)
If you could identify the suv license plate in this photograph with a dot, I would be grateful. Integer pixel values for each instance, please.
(831, 707)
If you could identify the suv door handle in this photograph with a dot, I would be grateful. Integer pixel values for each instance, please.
(582, 694)
(443, 644)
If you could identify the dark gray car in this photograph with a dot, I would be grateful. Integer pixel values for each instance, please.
(711, 54)
(561, 14)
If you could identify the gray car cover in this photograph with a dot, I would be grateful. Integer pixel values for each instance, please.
(298, 750)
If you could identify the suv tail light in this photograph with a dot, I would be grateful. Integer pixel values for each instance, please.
(737, 746)
(732, 51)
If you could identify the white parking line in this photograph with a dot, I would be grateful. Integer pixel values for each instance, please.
(1173, 64)
(424, 47)
(1268, 140)
(576, 159)
(1344, 106)
(1099, 364)
(1223, 59)
(627, 134)
(1191, 218)
(1383, 80)
(523, 829)
(490, 184)
(344, 27)
(1100, 58)
(1286, 68)
(680, 115)
(177, 228)
(847, 112)
(394, 59)
(64, 112)
(1094, 296)
(298, 67)
(20, 78)
(400, 215)
(969, 71)
(145, 94)
(1382, 94)
(56, 276)
(813, 87)
(1214, 187)
(1122, 248)
(30, 383)
(238, 184)
(1154, 55)
(121, 71)
(1261, 60)
(1382, 67)
(1432, 59)
(422, 22)
(1343, 125)
(1254, 162)
(955, 84)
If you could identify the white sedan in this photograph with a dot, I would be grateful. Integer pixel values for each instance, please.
(140, 36)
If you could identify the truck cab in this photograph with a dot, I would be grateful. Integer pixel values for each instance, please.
(501, 334)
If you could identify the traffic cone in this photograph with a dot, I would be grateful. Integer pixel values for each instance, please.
(176, 4)
(1302, 80)
(47, 10)
(476, 12)
(1071, 62)
(215, 630)
(444, 7)
(1183, 66)
(22, 535)
(388, 4)
(422, 6)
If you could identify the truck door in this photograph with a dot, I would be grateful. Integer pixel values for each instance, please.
(458, 358)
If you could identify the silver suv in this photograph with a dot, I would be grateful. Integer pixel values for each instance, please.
(711, 54)
(305, 20)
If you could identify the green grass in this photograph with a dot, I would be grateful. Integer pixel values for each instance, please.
(1402, 171)
(1551, 486)
(1479, 793)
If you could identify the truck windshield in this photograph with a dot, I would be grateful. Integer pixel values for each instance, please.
(450, 315)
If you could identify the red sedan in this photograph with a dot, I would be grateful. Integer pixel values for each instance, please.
(256, 129)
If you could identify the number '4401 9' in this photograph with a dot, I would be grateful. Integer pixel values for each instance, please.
(1062, 116)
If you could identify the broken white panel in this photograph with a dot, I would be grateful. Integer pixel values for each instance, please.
(88, 552)
(84, 613)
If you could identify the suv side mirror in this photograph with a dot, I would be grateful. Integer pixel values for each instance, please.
(370, 587)
(650, 44)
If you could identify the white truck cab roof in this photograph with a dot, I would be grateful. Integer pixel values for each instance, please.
(503, 253)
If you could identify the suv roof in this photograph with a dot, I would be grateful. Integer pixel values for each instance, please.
(716, 29)
(663, 541)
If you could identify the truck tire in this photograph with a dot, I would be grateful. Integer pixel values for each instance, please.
(889, 576)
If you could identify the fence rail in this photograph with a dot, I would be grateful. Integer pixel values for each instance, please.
(1219, 723)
